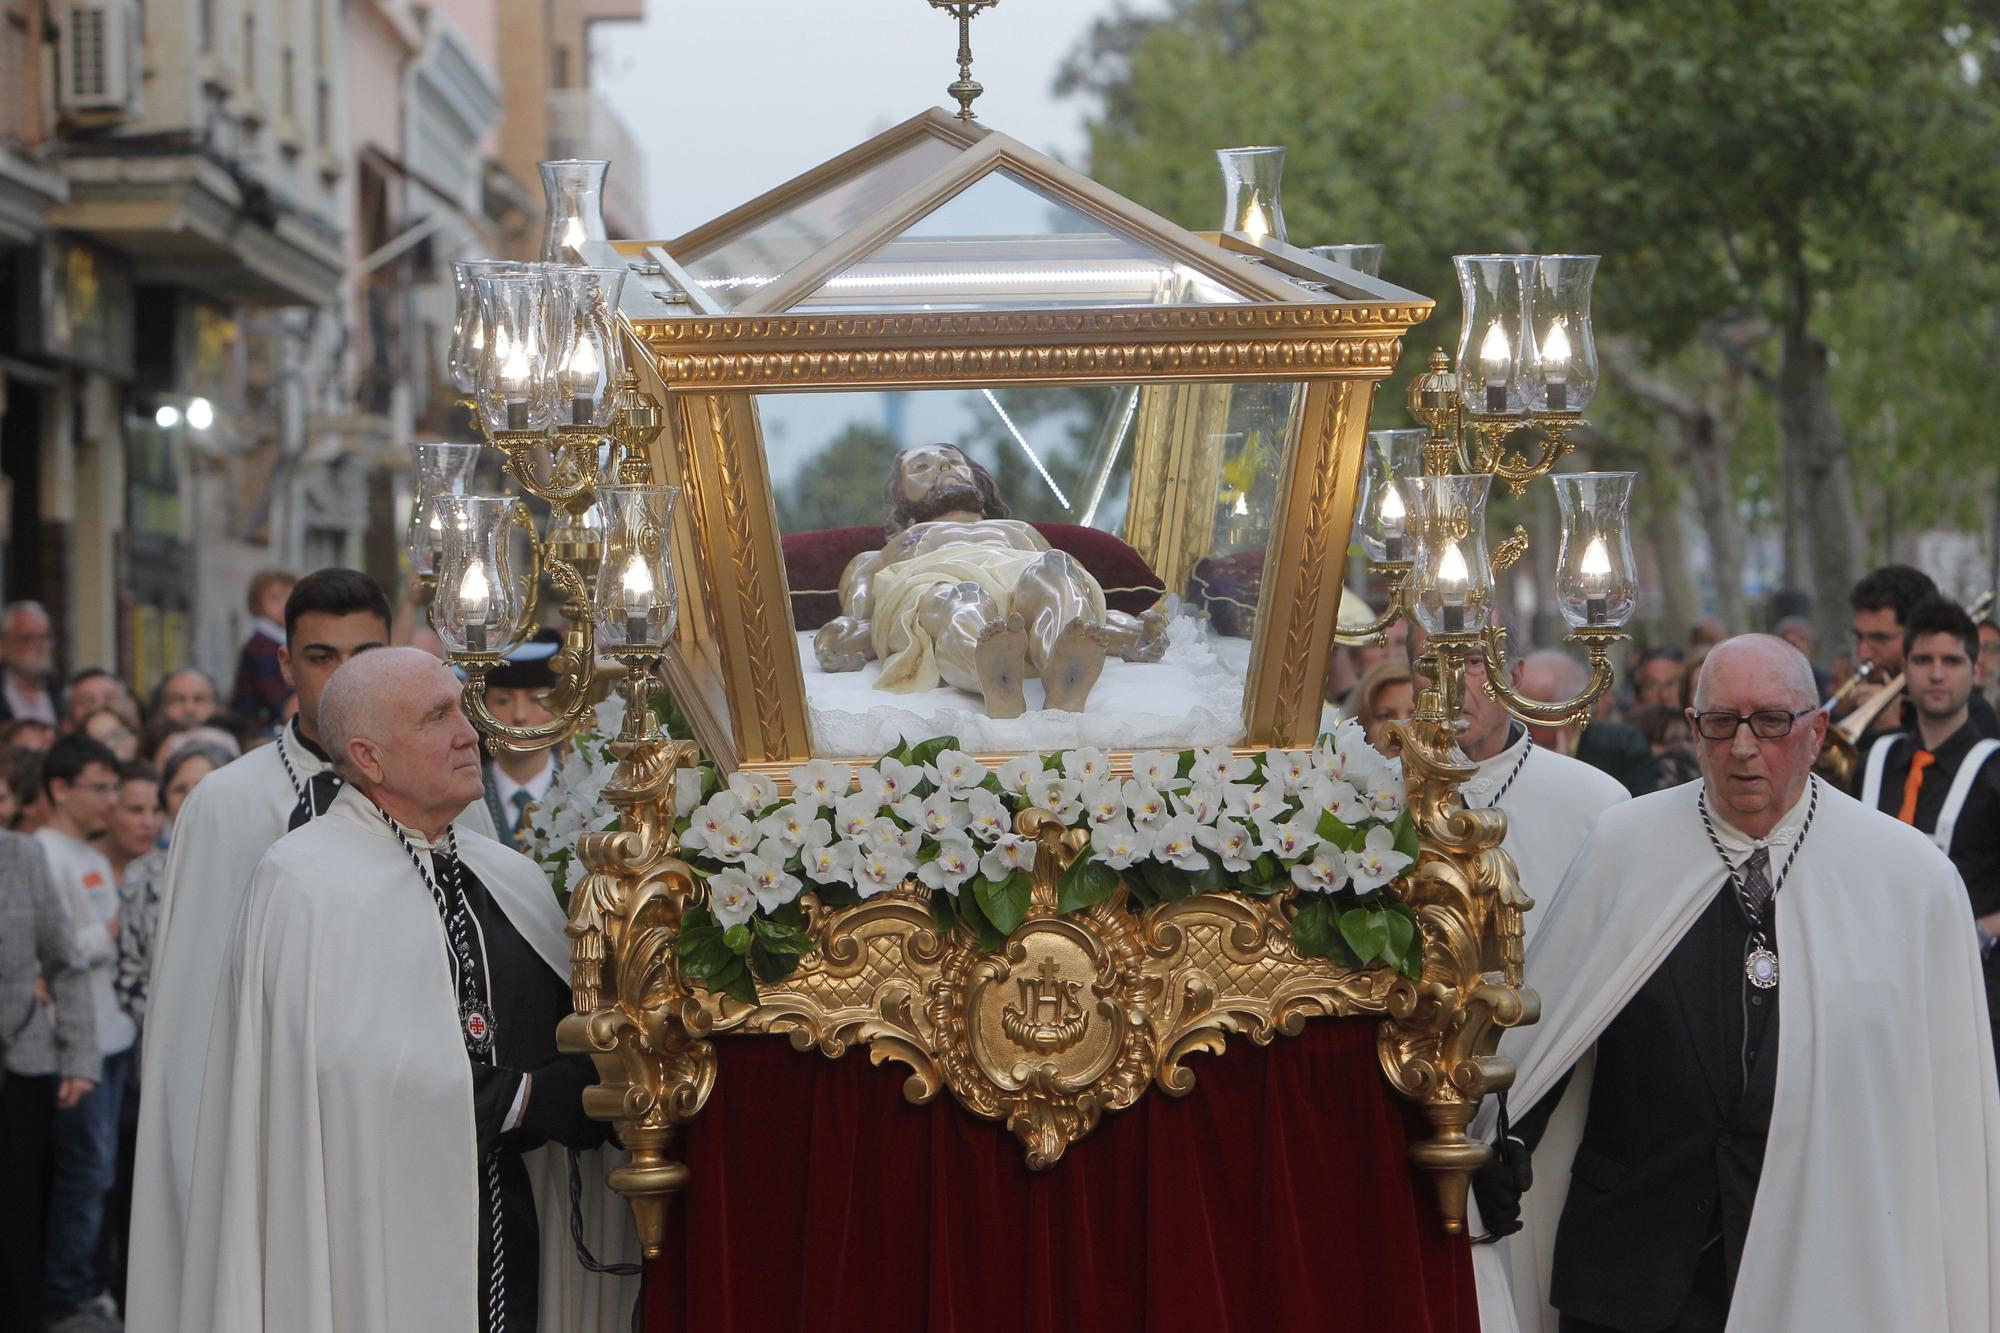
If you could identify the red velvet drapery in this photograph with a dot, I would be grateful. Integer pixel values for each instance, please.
(1277, 1195)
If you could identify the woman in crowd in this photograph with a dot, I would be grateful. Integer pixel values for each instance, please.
(1385, 693)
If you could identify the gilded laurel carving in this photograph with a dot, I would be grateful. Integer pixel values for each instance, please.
(1319, 520)
(749, 571)
(1233, 359)
(1039, 323)
(1070, 1019)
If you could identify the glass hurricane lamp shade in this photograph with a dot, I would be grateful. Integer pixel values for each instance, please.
(1563, 374)
(1452, 582)
(1495, 338)
(1252, 197)
(515, 388)
(1597, 583)
(441, 470)
(1382, 512)
(479, 602)
(585, 350)
(1361, 258)
(573, 213)
(468, 321)
(636, 600)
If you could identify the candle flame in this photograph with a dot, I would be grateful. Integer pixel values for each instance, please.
(1256, 222)
(1555, 354)
(475, 595)
(1453, 570)
(1392, 505)
(638, 582)
(573, 237)
(1495, 353)
(1596, 560)
(583, 363)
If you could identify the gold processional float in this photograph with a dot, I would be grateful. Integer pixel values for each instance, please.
(1217, 390)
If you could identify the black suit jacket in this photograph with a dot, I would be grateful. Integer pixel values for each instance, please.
(1674, 1143)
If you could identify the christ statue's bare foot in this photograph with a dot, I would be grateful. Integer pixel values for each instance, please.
(1001, 654)
(1074, 664)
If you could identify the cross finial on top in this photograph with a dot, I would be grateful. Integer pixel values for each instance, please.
(966, 88)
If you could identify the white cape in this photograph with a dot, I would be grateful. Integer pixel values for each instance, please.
(1879, 1202)
(229, 821)
(1551, 805)
(337, 1181)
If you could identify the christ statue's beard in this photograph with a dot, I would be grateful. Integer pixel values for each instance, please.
(946, 498)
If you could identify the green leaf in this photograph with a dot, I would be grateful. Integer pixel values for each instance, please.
(1085, 883)
(1312, 928)
(737, 937)
(771, 965)
(973, 916)
(1366, 931)
(1406, 836)
(781, 938)
(901, 753)
(1005, 904)
(789, 914)
(928, 752)
(1211, 878)
(1340, 835)
(1169, 883)
(735, 981)
(1402, 934)
(944, 914)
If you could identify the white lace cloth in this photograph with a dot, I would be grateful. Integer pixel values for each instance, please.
(1192, 696)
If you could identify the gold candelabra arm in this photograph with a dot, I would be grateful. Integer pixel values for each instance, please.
(1376, 631)
(572, 463)
(569, 700)
(1597, 642)
(1509, 551)
(1491, 452)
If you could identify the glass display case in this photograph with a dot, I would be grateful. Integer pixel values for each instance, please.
(1136, 534)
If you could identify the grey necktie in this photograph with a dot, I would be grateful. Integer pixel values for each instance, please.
(1755, 875)
(520, 801)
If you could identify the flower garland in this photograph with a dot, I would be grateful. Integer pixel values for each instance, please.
(574, 804)
(1328, 823)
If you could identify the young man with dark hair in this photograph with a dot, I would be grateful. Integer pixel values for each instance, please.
(1881, 604)
(228, 823)
(1943, 777)
(80, 778)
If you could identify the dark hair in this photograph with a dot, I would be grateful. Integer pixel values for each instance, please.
(1941, 615)
(1895, 588)
(88, 673)
(336, 592)
(10, 729)
(22, 770)
(137, 770)
(1655, 720)
(1667, 654)
(69, 756)
(902, 513)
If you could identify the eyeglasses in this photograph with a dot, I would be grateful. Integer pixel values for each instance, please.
(1876, 638)
(1766, 724)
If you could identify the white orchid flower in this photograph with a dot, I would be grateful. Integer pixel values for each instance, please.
(1016, 774)
(1086, 764)
(708, 818)
(735, 839)
(821, 782)
(687, 791)
(1325, 872)
(1202, 802)
(829, 863)
(1376, 861)
(1174, 842)
(1156, 769)
(770, 882)
(1288, 768)
(1232, 844)
(956, 771)
(1103, 800)
(1145, 804)
(936, 814)
(1118, 844)
(1056, 794)
(1218, 765)
(898, 779)
(1013, 851)
(853, 813)
(1289, 839)
(731, 897)
(1256, 803)
(879, 869)
(1385, 795)
(986, 817)
(756, 791)
(955, 863)
(796, 825)
(1335, 796)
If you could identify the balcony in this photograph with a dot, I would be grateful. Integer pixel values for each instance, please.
(582, 124)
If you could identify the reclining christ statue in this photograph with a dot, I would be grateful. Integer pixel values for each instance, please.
(965, 594)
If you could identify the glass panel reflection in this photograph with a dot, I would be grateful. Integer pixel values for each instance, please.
(1002, 244)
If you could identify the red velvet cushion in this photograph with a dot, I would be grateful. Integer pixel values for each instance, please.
(814, 562)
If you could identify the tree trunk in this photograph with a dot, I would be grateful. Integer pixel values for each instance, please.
(1704, 443)
(1819, 480)
(1680, 599)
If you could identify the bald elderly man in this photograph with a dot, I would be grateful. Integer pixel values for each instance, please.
(384, 1107)
(1763, 1016)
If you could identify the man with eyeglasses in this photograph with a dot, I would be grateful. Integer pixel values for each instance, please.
(1881, 604)
(27, 652)
(80, 777)
(1761, 1094)
(1943, 777)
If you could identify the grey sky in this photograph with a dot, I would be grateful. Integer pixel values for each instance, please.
(735, 98)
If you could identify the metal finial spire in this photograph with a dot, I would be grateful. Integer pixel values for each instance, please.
(967, 88)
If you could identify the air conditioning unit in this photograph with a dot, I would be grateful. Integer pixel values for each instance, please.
(97, 51)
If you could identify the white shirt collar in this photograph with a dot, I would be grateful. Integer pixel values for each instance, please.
(1493, 771)
(537, 786)
(269, 628)
(358, 809)
(1738, 845)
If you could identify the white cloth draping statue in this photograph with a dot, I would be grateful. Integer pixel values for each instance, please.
(964, 594)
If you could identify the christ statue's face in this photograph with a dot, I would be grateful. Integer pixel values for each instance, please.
(936, 480)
